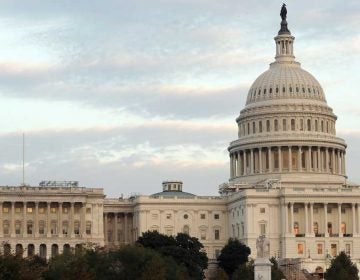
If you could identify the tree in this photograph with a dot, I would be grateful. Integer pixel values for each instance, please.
(342, 268)
(244, 272)
(185, 250)
(233, 255)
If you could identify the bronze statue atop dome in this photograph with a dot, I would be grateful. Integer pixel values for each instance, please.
(283, 12)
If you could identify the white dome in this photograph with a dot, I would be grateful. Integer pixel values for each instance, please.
(285, 80)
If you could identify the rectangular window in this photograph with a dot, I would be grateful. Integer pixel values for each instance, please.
(168, 216)
(17, 210)
(88, 210)
(329, 210)
(216, 216)
(217, 234)
(5, 209)
(65, 227)
(262, 210)
(284, 124)
(76, 227)
(348, 249)
(52, 210)
(6, 228)
(88, 228)
(29, 210)
(168, 231)
(203, 234)
(65, 210)
(41, 210)
(300, 248)
(29, 228)
(319, 248)
(333, 250)
(17, 228)
(41, 227)
(202, 216)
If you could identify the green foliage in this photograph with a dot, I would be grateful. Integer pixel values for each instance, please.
(276, 273)
(183, 249)
(342, 268)
(233, 255)
(244, 272)
(15, 267)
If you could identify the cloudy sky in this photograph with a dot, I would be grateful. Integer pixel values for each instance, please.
(125, 94)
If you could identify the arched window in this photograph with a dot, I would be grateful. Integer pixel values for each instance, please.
(297, 89)
(276, 125)
(316, 228)
(253, 128)
(296, 228)
(18, 227)
(42, 251)
(283, 90)
(19, 250)
(309, 125)
(292, 124)
(248, 128)
(277, 90)
(329, 228)
(343, 228)
(322, 126)
(260, 126)
(54, 250)
(284, 124)
(31, 250)
(268, 125)
(290, 89)
(301, 124)
(7, 249)
(270, 90)
(316, 125)
(186, 230)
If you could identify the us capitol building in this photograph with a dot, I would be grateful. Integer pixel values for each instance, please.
(287, 182)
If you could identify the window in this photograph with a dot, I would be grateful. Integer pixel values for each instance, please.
(262, 210)
(254, 128)
(186, 216)
(296, 228)
(248, 128)
(329, 228)
(268, 126)
(88, 210)
(65, 210)
(217, 234)
(316, 228)
(186, 230)
(6, 227)
(41, 210)
(347, 249)
(284, 124)
(53, 227)
(53, 210)
(88, 228)
(17, 227)
(168, 231)
(319, 247)
(333, 250)
(65, 227)
(217, 253)
(203, 234)
(17, 209)
(242, 229)
(202, 216)
(262, 229)
(76, 227)
(168, 216)
(343, 228)
(308, 125)
(301, 124)
(276, 125)
(316, 125)
(29, 210)
(292, 124)
(329, 210)
(41, 227)
(260, 126)
(5, 209)
(154, 216)
(216, 216)
(29, 227)
(300, 248)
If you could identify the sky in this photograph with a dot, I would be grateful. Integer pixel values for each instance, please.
(123, 95)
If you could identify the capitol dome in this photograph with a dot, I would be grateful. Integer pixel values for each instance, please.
(286, 130)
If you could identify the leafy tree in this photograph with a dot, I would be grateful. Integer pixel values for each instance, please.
(185, 250)
(276, 273)
(342, 268)
(233, 255)
(244, 272)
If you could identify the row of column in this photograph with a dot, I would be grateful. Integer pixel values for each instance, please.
(13, 218)
(309, 218)
(116, 228)
(288, 158)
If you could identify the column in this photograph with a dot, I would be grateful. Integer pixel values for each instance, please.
(238, 165)
(312, 218)
(36, 218)
(306, 219)
(83, 220)
(299, 159)
(353, 219)
(24, 220)
(231, 166)
(48, 221)
(12, 225)
(339, 219)
(280, 159)
(125, 228)
(116, 238)
(260, 160)
(252, 161)
(72, 204)
(270, 160)
(1, 220)
(244, 155)
(319, 159)
(325, 220)
(344, 163)
(358, 208)
(333, 161)
(289, 159)
(283, 219)
(60, 219)
(339, 162)
(286, 218)
(327, 160)
(106, 228)
(309, 159)
(292, 217)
